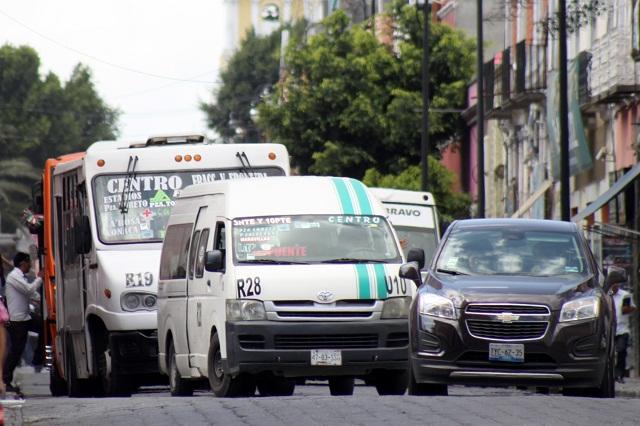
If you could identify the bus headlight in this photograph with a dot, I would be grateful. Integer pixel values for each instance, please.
(396, 307)
(245, 310)
(133, 301)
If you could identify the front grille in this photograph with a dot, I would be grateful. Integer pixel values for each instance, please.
(346, 302)
(514, 309)
(251, 341)
(397, 340)
(494, 330)
(325, 314)
(326, 341)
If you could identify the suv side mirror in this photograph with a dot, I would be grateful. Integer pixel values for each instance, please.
(213, 261)
(615, 275)
(82, 233)
(411, 271)
(416, 255)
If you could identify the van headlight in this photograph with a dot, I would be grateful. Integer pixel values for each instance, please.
(436, 306)
(396, 307)
(133, 301)
(245, 310)
(580, 309)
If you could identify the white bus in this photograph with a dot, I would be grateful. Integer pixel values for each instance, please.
(414, 217)
(110, 209)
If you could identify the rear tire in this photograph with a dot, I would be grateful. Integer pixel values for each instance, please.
(57, 384)
(178, 385)
(391, 382)
(223, 385)
(76, 388)
(425, 389)
(270, 385)
(341, 385)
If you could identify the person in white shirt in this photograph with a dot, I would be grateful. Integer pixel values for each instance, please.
(18, 292)
(624, 305)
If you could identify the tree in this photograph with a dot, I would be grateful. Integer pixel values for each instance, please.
(40, 117)
(451, 205)
(16, 175)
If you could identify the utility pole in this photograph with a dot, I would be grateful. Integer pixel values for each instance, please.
(565, 197)
(424, 145)
(480, 112)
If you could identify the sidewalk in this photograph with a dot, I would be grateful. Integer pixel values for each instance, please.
(630, 388)
(32, 384)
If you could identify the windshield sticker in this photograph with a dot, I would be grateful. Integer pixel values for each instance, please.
(571, 269)
(160, 197)
(452, 262)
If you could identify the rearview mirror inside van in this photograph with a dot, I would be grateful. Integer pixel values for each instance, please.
(214, 261)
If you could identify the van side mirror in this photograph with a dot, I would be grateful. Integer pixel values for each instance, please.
(615, 275)
(82, 231)
(213, 261)
(411, 271)
(416, 255)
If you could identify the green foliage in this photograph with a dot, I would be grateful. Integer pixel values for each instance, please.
(451, 205)
(16, 176)
(40, 117)
(580, 13)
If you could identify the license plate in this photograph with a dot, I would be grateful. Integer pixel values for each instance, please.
(326, 357)
(507, 352)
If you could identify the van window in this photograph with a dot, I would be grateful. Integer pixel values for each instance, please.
(220, 237)
(202, 248)
(173, 261)
(192, 252)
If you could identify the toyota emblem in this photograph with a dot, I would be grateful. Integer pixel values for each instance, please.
(325, 296)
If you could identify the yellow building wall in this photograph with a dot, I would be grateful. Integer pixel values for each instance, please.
(245, 13)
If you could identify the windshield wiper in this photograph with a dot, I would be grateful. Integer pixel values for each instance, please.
(353, 260)
(126, 188)
(247, 168)
(273, 262)
(450, 271)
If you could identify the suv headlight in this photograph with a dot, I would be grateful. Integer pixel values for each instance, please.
(396, 307)
(133, 301)
(245, 310)
(579, 309)
(436, 306)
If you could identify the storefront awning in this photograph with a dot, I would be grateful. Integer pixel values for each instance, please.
(531, 200)
(603, 199)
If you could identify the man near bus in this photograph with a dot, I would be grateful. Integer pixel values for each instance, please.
(18, 293)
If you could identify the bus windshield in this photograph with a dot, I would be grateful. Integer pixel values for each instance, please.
(414, 237)
(148, 200)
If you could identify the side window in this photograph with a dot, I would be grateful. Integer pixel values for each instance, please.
(173, 261)
(220, 237)
(192, 252)
(202, 248)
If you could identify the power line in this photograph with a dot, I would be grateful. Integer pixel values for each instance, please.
(102, 61)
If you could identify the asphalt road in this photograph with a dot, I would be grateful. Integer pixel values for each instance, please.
(312, 405)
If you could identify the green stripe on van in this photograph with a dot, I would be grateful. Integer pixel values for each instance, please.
(363, 282)
(362, 197)
(380, 280)
(343, 195)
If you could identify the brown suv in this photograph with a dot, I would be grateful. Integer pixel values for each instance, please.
(512, 302)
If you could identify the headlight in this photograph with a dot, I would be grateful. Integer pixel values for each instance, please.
(436, 306)
(137, 302)
(245, 310)
(579, 309)
(396, 307)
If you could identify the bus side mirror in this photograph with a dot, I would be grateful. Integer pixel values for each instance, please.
(213, 261)
(416, 255)
(411, 271)
(82, 230)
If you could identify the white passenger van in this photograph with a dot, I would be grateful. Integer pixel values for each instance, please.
(267, 280)
(413, 216)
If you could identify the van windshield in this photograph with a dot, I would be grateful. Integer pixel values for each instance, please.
(414, 237)
(149, 198)
(314, 239)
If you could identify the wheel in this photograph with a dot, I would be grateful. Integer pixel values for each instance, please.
(425, 389)
(222, 384)
(57, 384)
(178, 385)
(341, 385)
(76, 388)
(391, 382)
(113, 384)
(270, 385)
(607, 388)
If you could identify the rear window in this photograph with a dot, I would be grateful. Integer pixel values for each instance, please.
(175, 250)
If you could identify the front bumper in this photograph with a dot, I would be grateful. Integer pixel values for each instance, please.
(285, 347)
(569, 355)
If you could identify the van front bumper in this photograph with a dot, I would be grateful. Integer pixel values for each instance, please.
(284, 348)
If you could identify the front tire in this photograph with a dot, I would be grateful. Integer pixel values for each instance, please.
(178, 385)
(57, 384)
(223, 385)
(113, 384)
(391, 382)
(341, 385)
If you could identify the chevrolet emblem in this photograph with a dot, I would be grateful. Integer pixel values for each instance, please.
(507, 317)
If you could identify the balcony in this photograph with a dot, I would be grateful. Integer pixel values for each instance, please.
(612, 75)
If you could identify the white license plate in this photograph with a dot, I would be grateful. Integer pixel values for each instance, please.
(507, 352)
(326, 357)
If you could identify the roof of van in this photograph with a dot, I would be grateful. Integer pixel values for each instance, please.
(276, 196)
(389, 195)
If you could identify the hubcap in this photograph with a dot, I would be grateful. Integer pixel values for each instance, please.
(217, 365)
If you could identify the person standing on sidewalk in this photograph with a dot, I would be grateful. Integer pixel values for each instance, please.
(18, 293)
(624, 307)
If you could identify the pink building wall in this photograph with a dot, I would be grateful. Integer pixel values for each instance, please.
(626, 133)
